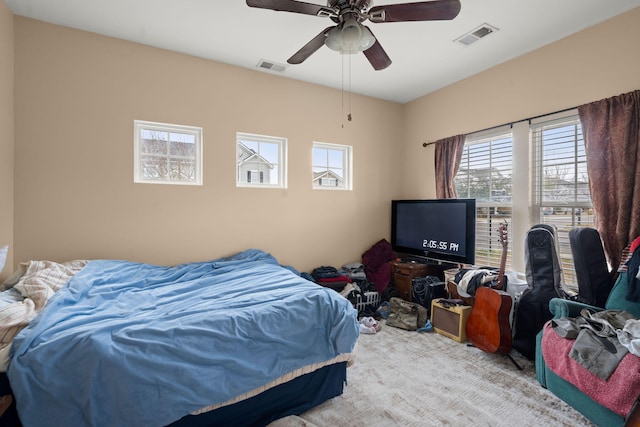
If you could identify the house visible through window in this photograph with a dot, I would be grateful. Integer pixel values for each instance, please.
(331, 166)
(260, 161)
(257, 177)
(329, 182)
(167, 154)
(485, 174)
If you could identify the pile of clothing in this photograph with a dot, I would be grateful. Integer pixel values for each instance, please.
(352, 283)
(601, 338)
(330, 277)
(468, 280)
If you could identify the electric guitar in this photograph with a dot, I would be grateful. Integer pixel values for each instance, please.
(488, 327)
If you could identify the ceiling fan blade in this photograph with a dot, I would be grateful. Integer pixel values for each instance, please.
(419, 11)
(292, 6)
(377, 56)
(307, 50)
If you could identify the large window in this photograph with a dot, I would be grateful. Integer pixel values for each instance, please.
(532, 173)
(331, 166)
(167, 154)
(560, 182)
(485, 174)
(260, 161)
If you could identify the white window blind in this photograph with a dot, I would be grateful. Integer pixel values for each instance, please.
(560, 182)
(485, 174)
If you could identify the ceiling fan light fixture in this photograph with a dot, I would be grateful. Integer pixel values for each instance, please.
(351, 38)
(334, 39)
(351, 34)
(367, 40)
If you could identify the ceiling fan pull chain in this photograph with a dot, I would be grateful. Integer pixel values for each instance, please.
(342, 90)
(349, 114)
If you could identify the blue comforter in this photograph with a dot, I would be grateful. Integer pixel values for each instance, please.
(136, 344)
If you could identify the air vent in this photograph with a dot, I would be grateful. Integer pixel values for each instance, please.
(475, 35)
(270, 65)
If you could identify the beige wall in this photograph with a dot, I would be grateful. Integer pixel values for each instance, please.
(599, 62)
(77, 95)
(6, 135)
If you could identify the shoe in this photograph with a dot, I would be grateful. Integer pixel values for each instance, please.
(384, 310)
(371, 323)
(366, 329)
(428, 327)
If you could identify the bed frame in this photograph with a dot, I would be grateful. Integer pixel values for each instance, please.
(291, 398)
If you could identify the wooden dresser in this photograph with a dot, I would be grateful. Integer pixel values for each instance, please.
(403, 273)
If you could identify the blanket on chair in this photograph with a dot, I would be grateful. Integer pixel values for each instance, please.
(618, 393)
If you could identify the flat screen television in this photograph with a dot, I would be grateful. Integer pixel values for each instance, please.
(437, 230)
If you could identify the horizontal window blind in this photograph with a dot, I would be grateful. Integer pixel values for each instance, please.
(485, 174)
(561, 184)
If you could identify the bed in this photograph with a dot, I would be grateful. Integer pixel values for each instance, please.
(234, 341)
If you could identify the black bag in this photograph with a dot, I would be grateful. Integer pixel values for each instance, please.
(325, 272)
(426, 289)
(389, 292)
(545, 280)
(594, 278)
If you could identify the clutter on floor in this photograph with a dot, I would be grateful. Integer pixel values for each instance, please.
(369, 325)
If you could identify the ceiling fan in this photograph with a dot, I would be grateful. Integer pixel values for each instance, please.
(349, 35)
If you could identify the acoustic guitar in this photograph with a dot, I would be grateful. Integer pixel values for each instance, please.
(503, 235)
(488, 327)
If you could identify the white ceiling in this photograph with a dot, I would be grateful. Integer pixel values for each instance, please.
(424, 56)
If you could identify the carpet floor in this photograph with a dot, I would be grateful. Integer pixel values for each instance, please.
(403, 378)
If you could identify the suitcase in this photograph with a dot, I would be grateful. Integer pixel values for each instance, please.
(594, 278)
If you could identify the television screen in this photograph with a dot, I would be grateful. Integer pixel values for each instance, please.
(441, 230)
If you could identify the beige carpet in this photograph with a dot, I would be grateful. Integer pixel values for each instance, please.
(403, 378)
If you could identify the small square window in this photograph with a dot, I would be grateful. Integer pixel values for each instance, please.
(260, 161)
(167, 154)
(331, 166)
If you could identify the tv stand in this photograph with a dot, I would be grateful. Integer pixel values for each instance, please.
(428, 261)
(403, 272)
(413, 260)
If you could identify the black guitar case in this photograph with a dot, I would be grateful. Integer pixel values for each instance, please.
(594, 278)
(545, 280)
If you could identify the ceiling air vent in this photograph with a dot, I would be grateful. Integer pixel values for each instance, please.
(475, 35)
(270, 65)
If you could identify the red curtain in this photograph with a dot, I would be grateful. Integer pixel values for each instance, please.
(611, 129)
(447, 161)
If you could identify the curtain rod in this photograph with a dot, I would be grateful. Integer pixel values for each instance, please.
(426, 144)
